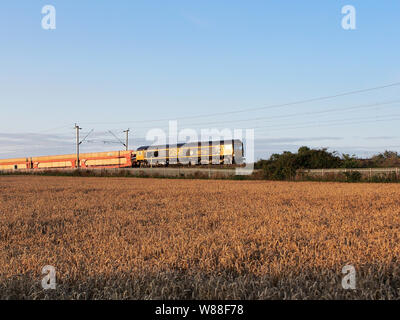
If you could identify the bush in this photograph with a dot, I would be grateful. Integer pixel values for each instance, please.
(390, 177)
(349, 161)
(284, 166)
(353, 176)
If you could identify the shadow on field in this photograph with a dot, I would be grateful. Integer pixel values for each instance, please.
(325, 284)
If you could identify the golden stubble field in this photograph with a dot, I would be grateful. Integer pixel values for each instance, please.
(130, 238)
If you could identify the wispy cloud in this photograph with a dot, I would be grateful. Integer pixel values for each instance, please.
(32, 144)
(265, 147)
(296, 139)
(194, 20)
(380, 138)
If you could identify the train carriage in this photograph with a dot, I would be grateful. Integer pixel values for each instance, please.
(112, 159)
(14, 164)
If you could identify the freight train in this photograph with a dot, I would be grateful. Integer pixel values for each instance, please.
(194, 153)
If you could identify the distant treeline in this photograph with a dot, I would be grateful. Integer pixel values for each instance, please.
(285, 165)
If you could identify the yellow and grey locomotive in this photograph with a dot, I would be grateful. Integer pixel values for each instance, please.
(194, 153)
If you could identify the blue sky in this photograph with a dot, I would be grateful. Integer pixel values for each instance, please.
(110, 65)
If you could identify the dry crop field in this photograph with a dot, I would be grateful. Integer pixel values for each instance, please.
(131, 238)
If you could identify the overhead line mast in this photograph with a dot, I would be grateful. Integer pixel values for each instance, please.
(77, 145)
(127, 139)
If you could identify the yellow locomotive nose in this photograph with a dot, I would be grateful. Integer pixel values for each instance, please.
(140, 156)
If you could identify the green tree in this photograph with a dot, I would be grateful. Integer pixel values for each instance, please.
(349, 161)
(386, 159)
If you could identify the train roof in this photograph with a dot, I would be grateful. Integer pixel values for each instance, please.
(189, 144)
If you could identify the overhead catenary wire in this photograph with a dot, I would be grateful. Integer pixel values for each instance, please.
(336, 122)
(84, 139)
(328, 121)
(310, 124)
(333, 110)
(322, 98)
(115, 136)
(339, 124)
(279, 126)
